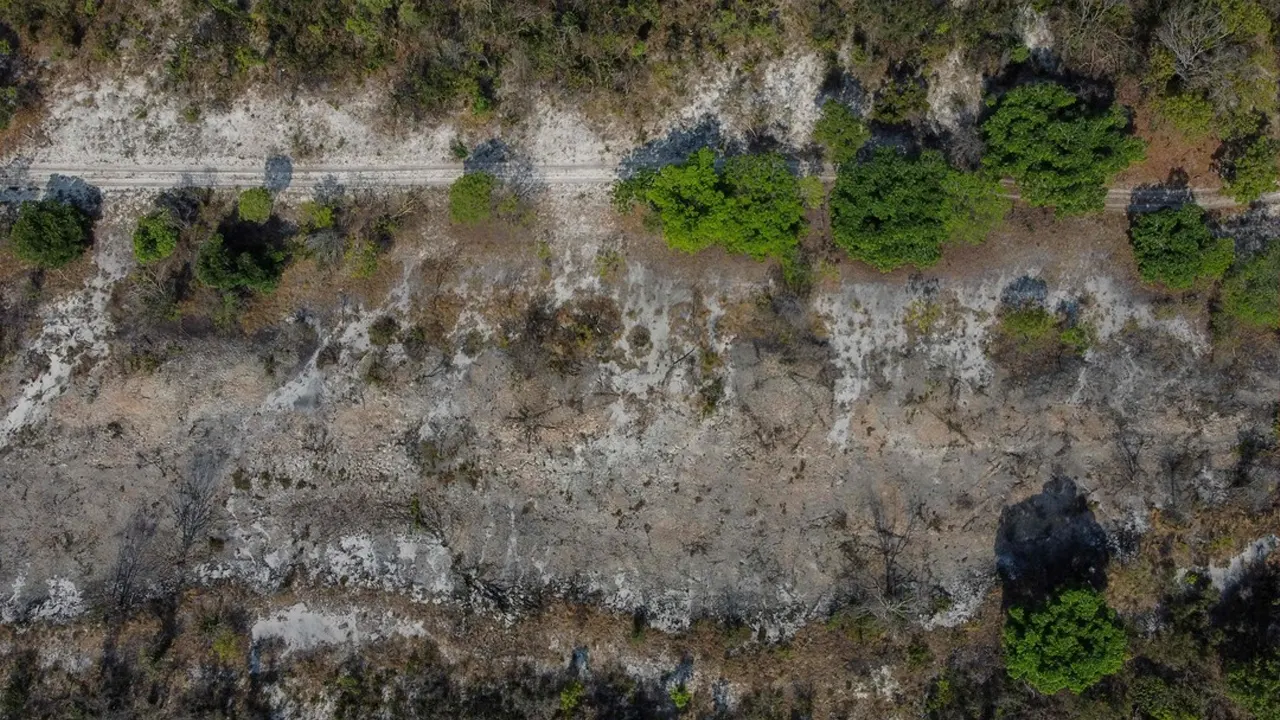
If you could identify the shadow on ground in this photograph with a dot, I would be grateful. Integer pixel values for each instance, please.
(1050, 541)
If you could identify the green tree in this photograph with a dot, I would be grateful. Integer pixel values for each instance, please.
(753, 207)
(1251, 293)
(1061, 153)
(894, 210)
(50, 233)
(1251, 170)
(840, 132)
(471, 198)
(156, 236)
(255, 205)
(1175, 248)
(1255, 686)
(1159, 699)
(1069, 643)
(228, 267)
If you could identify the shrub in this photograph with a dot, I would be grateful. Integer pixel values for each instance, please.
(1251, 293)
(1159, 699)
(50, 233)
(1061, 153)
(255, 205)
(840, 132)
(752, 207)
(1190, 113)
(1175, 248)
(223, 266)
(383, 331)
(471, 198)
(1255, 686)
(156, 236)
(1251, 170)
(1071, 642)
(894, 210)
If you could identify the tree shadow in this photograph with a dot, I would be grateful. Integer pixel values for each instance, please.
(675, 147)
(1050, 541)
(501, 161)
(1025, 292)
(1171, 194)
(75, 191)
(1249, 610)
(278, 173)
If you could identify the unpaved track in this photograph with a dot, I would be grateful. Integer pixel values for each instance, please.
(128, 176)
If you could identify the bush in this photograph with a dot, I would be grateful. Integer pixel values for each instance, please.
(1251, 170)
(1061, 153)
(50, 233)
(1175, 248)
(1190, 113)
(471, 198)
(224, 266)
(1255, 686)
(255, 205)
(1071, 642)
(1159, 699)
(1251, 293)
(893, 210)
(840, 132)
(752, 207)
(156, 236)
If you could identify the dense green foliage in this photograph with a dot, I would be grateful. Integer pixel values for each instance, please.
(1061, 153)
(253, 267)
(895, 210)
(50, 233)
(255, 205)
(1160, 699)
(753, 206)
(156, 236)
(471, 198)
(840, 132)
(1251, 293)
(1175, 248)
(1251, 170)
(1070, 643)
(1255, 686)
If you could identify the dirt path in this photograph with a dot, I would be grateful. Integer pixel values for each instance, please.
(128, 176)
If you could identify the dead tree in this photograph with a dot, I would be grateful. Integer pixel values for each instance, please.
(192, 503)
(1192, 31)
(887, 576)
(124, 587)
(1093, 33)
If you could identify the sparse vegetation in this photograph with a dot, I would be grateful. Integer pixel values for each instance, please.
(1069, 643)
(50, 233)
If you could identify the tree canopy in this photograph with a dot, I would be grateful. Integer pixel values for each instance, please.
(840, 132)
(471, 198)
(156, 236)
(752, 207)
(255, 205)
(1061, 152)
(895, 210)
(50, 233)
(1069, 643)
(226, 266)
(1175, 248)
(1251, 293)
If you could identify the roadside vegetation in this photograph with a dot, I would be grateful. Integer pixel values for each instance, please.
(50, 233)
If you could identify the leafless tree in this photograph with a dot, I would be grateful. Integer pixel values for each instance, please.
(1093, 32)
(124, 587)
(192, 502)
(888, 576)
(1193, 31)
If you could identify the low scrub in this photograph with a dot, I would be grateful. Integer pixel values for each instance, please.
(1251, 293)
(156, 236)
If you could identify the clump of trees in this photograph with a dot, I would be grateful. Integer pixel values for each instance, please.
(156, 236)
(895, 210)
(752, 206)
(1249, 169)
(1175, 248)
(1251, 292)
(1069, 643)
(1061, 152)
(50, 233)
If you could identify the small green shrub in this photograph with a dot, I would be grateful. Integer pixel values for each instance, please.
(50, 233)
(156, 236)
(680, 697)
(1255, 686)
(255, 205)
(1251, 293)
(1190, 113)
(228, 268)
(1158, 699)
(1175, 248)
(901, 99)
(840, 132)
(1028, 326)
(1061, 153)
(471, 198)
(315, 216)
(571, 697)
(1251, 170)
(893, 210)
(1069, 643)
